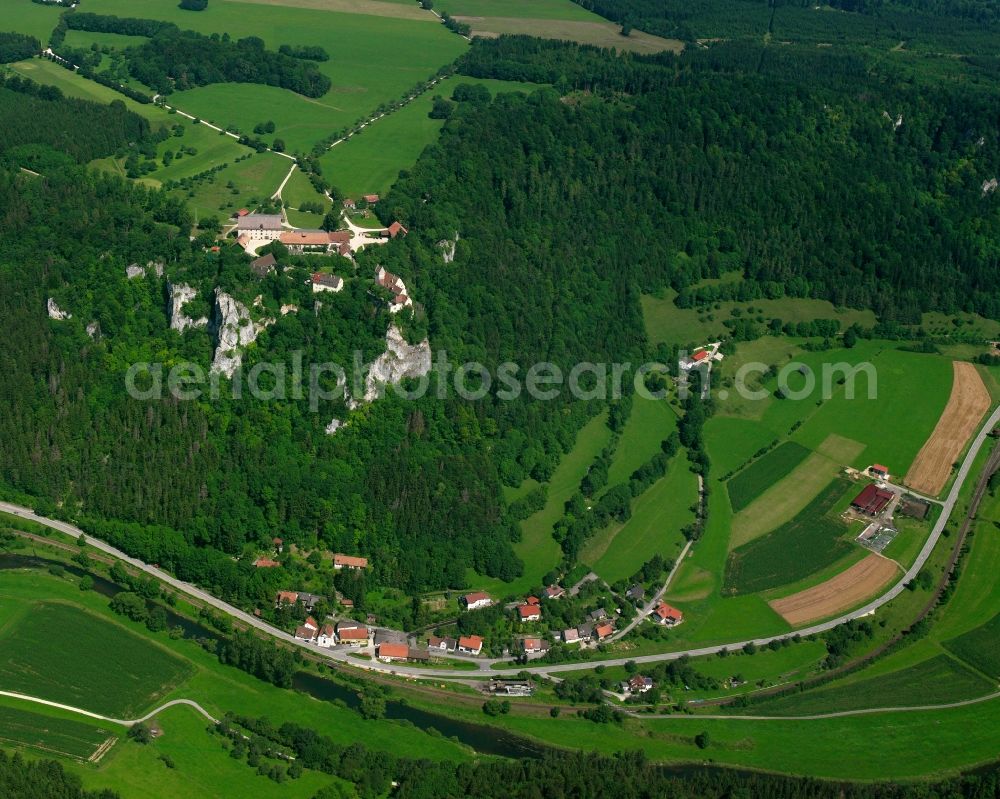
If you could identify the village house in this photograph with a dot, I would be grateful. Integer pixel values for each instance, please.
(310, 600)
(341, 561)
(667, 615)
(346, 603)
(349, 204)
(637, 684)
(470, 644)
(263, 266)
(555, 592)
(571, 636)
(305, 633)
(603, 631)
(534, 646)
(279, 544)
(636, 593)
(476, 600)
(418, 655)
(286, 598)
(597, 615)
(371, 199)
(529, 612)
(327, 636)
(265, 563)
(585, 632)
(879, 471)
(441, 644)
(532, 600)
(324, 282)
(396, 229)
(260, 227)
(393, 651)
(353, 633)
(310, 622)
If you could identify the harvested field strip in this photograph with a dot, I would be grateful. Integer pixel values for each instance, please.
(764, 472)
(600, 34)
(980, 647)
(56, 736)
(808, 543)
(837, 594)
(966, 406)
(935, 681)
(375, 8)
(792, 493)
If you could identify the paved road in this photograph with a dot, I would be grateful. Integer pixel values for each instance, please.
(487, 667)
(99, 717)
(648, 607)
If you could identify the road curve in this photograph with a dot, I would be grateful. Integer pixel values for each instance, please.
(123, 722)
(487, 666)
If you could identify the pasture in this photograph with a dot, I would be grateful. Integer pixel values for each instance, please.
(650, 422)
(61, 653)
(658, 516)
(34, 19)
(50, 734)
(763, 473)
(665, 322)
(374, 60)
(537, 548)
(980, 647)
(936, 681)
(369, 161)
(809, 542)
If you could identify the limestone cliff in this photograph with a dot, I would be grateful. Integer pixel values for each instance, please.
(180, 295)
(234, 330)
(400, 360)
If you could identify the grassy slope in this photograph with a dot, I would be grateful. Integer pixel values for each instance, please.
(650, 422)
(537, 548)
(32, 18)
(755, 479)
(658, 516)
(369, 161)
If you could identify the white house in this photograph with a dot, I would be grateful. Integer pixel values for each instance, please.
(477, 600)
(260, 227)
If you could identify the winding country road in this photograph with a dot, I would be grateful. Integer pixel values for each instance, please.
(123, 722)
(487, 667)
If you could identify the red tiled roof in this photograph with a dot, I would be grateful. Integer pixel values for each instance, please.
(242, 212)
(371, 198)
(289, 597)
(532, 600)
(353, 634)
(529, 611)
(392, 650)
(604, 630)
(340, 236)
(305, 632)
(476, 596)
(265, 563)
(872, 499)
(471, 642)
(396, 229)
(668, 612)
(350, 561)
(309, 238)
(880, 468)
(700, 355)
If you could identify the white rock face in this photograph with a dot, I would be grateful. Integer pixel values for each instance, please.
(447, 247)
(55, 312)
(334, 426)
(287, 309)
(990, 186)
(134, 270)
(179, 296)
(94, 329)
(234, 330)
(399, 361)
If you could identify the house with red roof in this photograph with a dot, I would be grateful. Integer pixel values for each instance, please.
(305, 633)
(371, 199)
(266, 563)
(286, 598)
(529, 612)
(476, 600)
(341, 561)
(326, 636)
(393, 651)
(470, 644)
(534, 646)
(667, 615)
(879, 470)
(396, 229)
(555, 592)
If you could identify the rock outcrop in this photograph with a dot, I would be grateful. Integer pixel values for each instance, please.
(94, 329)
(334, 426)
(55, 312)
(447, 247)
(180, 295)
(134, 270)
(400, 360)
(990, 186)
(234, 330)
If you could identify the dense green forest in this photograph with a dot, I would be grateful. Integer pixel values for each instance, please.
(42, 779)
(17, 46)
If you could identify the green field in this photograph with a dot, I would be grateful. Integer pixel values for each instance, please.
(666, 322)
(808, 543)
(650, 422)
(658, 516)
(980, 647)
(537, 548)
(936, 681)
(760, 475)
(49, 734)
(369, 161)
(32, 18)
(58, 652)
(375, 59)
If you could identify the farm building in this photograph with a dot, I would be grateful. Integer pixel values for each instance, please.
(393, 651)
(476, 600)
(872, 500)
(341, 561)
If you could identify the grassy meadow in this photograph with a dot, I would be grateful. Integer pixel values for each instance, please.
(764, 472)
(48, 734)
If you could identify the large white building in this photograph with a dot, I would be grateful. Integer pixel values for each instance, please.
(260, 227)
